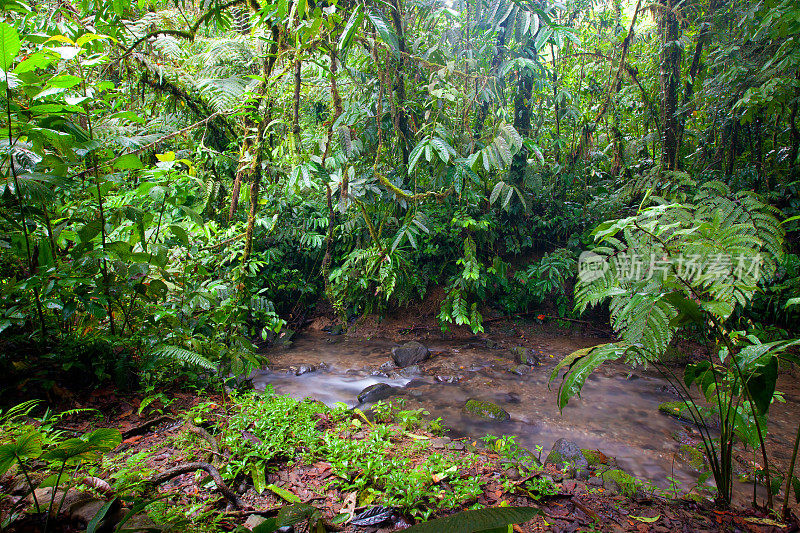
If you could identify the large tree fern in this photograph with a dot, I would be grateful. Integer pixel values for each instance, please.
(678, 263)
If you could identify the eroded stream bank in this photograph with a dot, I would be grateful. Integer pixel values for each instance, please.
(617, 413)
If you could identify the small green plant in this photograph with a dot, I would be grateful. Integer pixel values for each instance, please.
(26, 443)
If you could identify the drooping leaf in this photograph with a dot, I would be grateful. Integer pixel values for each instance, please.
(384, 31)
(352, 26)
(9, 45)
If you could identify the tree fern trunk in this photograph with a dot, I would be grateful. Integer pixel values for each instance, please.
(670, 75)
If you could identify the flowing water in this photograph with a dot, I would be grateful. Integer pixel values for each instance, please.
(617, 412)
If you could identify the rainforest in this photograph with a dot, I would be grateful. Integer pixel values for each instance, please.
(383, 265)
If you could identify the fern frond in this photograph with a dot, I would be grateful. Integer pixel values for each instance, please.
(180, 354)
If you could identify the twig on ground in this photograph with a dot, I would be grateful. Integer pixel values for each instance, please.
(163, 477)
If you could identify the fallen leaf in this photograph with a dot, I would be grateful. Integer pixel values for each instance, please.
(283, 493)
(646, 519)
(349, 506)
(764, 521)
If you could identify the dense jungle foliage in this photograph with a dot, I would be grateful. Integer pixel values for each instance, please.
(183, 179)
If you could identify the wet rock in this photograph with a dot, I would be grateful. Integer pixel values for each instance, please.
(491, 344)
(388, 366)
(621, 482)
(522, 370)
(512, 473)
(85, 510)
(487, 410)
(410, 371)
(565, 451)
(379, 374)
(523, 356)
(304, 369)
(376, 392)
(681, 411)
(447, 379)
(596, 482)
(595, 458)
(414, 383)
(335, 329)
(511, 398)
(140, 523)
(692, 456)
(409, 354)
(440, 442)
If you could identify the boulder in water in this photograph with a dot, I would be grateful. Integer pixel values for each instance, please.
(304, 369)
(376, 392)
(524, 356)
(487, 410)
(410, 353)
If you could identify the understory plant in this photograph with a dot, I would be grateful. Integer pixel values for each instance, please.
(676, 264)
(28, 447)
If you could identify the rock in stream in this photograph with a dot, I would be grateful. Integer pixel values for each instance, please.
(410, 353)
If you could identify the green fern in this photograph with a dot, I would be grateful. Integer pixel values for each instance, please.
(179, 354)
(672, 264)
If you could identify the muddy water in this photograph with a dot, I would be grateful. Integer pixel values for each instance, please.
(617, 413)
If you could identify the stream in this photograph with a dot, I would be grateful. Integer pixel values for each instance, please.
(617, 412)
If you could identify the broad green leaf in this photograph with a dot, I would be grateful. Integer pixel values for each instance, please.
(267, 526)
(258, 473)
(353, 24)
(180, 233)
(9, 45)
(283, 493)
(580, 364)
(413, 158)
(496, 191)
(384, 31)
(88, 447)
(37, 60)
(91, 527)
(64, 81)
(26, 446)
(478, 520)
(128, 162)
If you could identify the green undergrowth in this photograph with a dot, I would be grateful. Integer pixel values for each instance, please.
(390, 462)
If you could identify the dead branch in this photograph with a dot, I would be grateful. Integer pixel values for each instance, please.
(187, 468)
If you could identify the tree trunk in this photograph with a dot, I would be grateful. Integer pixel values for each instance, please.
(670, 74)
(400, 82)
(556, 105)
(522, 123)
(298, 70)
(732, 150)
(795, 140)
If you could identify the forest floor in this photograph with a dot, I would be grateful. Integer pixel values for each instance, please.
(164, 441)
(164, 436)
